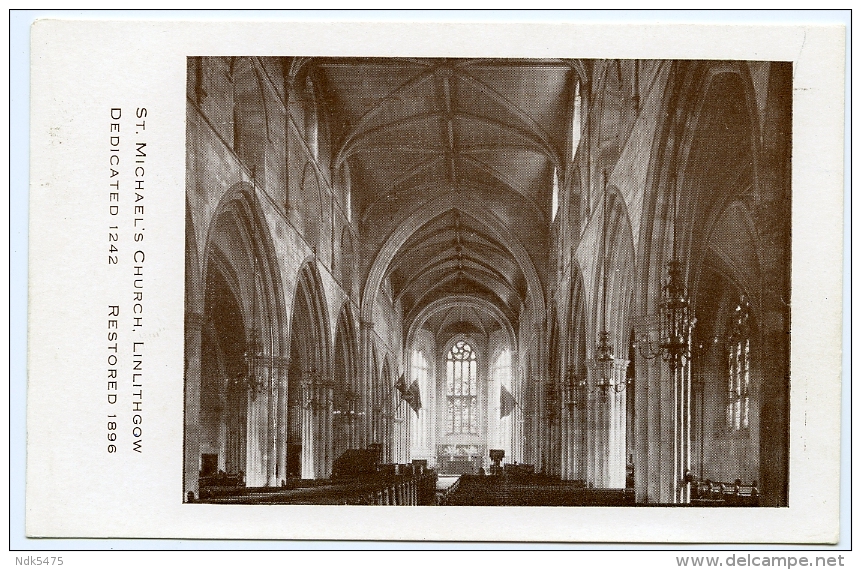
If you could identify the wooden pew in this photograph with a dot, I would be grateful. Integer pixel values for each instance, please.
(721, 494)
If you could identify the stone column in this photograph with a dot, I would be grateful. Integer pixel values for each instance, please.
(308, 432)
(773, 222)
(330, 443)
(318, 411)
(222, 437)
(408, 433)
(616, 412)
(681, 379)
(572, 426)
(363, 404)
(541, 424)
(774, 410)
(663, 423)
(317, 405)
(517, 413)
(191, 461)
(256, 456)
(605, 416)
(322, 425)
(281, 413)
(273, 420)
(562, 429)
(593, 424)
(647, 460)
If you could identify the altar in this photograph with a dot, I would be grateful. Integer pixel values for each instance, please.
(460, 459)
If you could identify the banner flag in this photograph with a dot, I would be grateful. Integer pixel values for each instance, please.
(401, 385)
(415, 396)
(506, 402)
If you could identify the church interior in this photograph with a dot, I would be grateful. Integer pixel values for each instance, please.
(417, 281)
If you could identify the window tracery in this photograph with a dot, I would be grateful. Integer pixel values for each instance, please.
(738, 367)
(461, 390)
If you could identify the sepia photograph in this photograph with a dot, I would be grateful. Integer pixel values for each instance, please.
(511, 282)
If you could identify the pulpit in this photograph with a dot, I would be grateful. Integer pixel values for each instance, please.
(496, 456)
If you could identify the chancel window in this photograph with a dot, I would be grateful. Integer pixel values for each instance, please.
(738, 377)
(461, 390)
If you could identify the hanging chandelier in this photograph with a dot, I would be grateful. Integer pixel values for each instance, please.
(574, 389)
(604, 349)
(252, 380)
(260, 369)
(675, 315)
(318, 389)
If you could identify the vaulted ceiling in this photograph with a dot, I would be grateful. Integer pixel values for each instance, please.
(482, 135)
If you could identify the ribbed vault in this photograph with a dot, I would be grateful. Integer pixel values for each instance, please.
(483, 131)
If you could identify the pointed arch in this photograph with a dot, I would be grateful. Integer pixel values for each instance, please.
(621, 271)
(243, 317)
(310, 206)
(573, 431)
(250, 121)
(675, 164)
(446, 303)
(346, 383)
(309, 416)
(427, 212)
(384, 408)
(706, 156)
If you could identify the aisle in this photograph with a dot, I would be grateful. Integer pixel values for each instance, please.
(444, 482)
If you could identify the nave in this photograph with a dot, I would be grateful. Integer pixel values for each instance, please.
(483, 281)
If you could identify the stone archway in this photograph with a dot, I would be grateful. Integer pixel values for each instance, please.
(346, 386)
(707, 156)
(309, 452)
(241, 380)
(574, 383)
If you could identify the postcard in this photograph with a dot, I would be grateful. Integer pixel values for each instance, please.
(435, 281)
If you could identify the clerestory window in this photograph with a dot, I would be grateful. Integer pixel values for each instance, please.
(575, 122)
(738, 366)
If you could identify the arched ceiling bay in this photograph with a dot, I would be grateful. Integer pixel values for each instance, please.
(413, 129)
(404, 123)
(453, 254)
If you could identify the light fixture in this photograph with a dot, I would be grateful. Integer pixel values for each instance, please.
(574, 390)
(318, 391)
(260, 368)
(675, 317)
(604, 349)
(348, 408)
(251, 380)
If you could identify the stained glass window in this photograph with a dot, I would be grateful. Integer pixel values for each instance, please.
(738, 365)
(461, 389)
